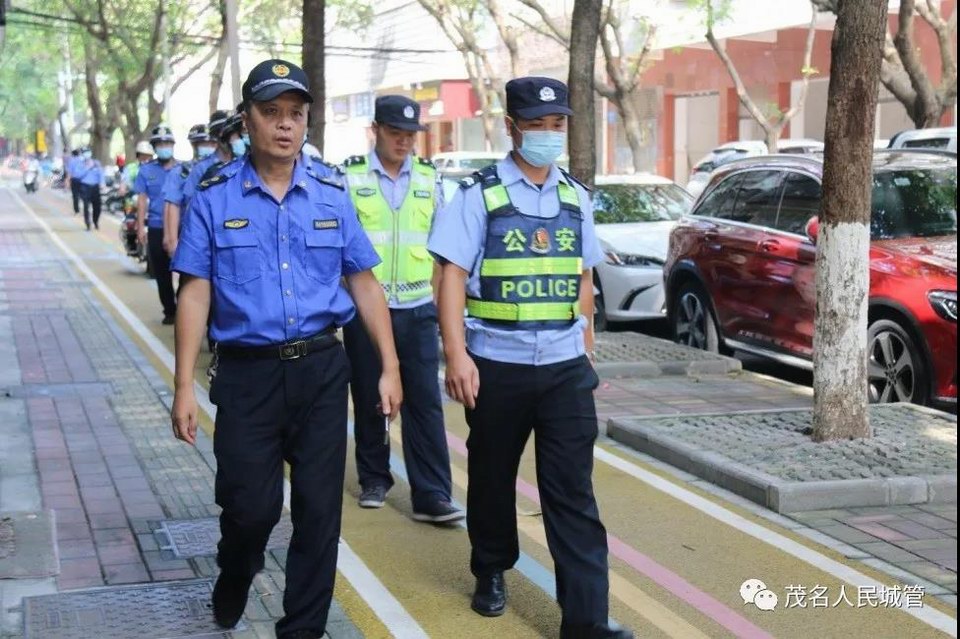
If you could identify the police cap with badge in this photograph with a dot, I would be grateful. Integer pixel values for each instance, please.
(535, 97)
(270, 78)
(398, 111)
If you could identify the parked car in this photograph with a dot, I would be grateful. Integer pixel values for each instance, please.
(740, 270)
(465, 162)
(944, 139)
(740, 149)
(634, 215)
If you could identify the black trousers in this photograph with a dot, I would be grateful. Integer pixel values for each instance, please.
(160, 266)
(75, 189)
(91, 200)
(425, 452)
(269, 412)
(556, 403)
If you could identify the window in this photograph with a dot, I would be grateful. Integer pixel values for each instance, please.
(928, 143)
(914, 203)
(758, 198)
(801, 201)
(719, 202)
(625, 203)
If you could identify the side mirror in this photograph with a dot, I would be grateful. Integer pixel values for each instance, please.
(813, 228)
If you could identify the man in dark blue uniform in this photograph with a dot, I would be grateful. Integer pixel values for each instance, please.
(263, 248)
(518, 242)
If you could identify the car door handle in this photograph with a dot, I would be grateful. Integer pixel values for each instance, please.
(770, 246)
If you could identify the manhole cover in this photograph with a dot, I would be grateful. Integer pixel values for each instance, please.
(168, 610)
(27, 545)
(198, 537)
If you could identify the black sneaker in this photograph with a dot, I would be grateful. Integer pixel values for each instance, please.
(229, 599)
(373, 497)
(439, 512)
(169, 320)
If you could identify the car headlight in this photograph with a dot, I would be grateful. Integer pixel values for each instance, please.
(944, 303)
(626, 259)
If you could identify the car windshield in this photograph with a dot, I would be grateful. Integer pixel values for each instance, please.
(475, 163)
(622, 203)
(718, 157)
(914, 203)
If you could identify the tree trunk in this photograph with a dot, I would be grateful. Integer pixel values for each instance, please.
(223, 52)
(313, 54)
(582, 136)
(101, 129)
(840, 329)
(771, 135)
(630, 117)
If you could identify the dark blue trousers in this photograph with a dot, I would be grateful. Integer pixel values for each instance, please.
(555, 402)
(425, 452)
(268, 412)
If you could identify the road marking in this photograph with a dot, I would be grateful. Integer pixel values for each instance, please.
(384, 605)
(716, 610)
(927, 615)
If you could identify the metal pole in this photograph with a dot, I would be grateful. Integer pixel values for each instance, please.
(233, 43)
(165, 52)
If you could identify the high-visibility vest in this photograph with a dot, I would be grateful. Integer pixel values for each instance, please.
(399, 237)
(531, 267)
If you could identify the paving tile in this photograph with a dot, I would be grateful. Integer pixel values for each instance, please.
(880, 531)
(914, 530)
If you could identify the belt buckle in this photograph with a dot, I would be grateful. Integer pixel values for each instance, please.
(293, 350)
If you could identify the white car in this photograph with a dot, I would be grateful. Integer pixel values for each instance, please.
(463, 163)
(743, 149)
(634, 215)
(943, 139)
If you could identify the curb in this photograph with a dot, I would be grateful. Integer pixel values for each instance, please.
(779, 495)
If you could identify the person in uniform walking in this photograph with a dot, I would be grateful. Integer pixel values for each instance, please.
(149, 189)
(204, 147)
(263, 249)
(396, 194)
(90, 174)
(73, 173)
(517, 244)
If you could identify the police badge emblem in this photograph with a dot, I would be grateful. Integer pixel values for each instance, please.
(409, 113)
(281, 70)
(547, 94)
(540, 242)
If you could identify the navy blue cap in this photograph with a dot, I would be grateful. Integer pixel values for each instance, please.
(270, 78)
(399, 112)
(534, 97)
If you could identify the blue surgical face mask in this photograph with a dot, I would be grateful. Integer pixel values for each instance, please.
(542, 148)
(205, 151)
(239, 147)
(164, 154)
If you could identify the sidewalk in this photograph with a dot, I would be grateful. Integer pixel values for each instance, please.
(85, 434)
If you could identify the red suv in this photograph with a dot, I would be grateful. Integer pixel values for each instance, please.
(740, 269)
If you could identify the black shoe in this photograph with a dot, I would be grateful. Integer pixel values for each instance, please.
(229, 599)
(490, 596)
(439, 512)
(594, 631)
(373, 497)
(169, 320)
(301, 634)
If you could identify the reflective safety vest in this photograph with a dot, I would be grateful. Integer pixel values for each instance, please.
(531, 267)
(399, 237)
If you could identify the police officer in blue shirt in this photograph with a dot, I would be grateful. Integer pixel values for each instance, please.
(204, 148)
(263, 249)
(396, 195)
(73, 172)
(89, 172)
(517, 243)
(149, 188)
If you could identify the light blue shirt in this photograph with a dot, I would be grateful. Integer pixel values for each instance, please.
(150, 181)
(75, 167)
(274, 267)
(458, 236)
(89, 172)
(394, 192)
(189, 187)
(173, 186)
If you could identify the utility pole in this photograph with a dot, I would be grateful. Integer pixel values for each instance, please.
(233, 43)
(165, 52)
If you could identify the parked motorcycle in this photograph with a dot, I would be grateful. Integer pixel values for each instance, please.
(31, 180)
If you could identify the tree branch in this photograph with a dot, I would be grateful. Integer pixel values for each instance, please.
(545, 32)
(904, 43)
(806, 71)
(561, 31)
(196, 67)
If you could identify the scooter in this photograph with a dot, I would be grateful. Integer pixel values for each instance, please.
(31, 180)
(128, 231)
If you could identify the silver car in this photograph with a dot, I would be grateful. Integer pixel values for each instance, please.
(634, 215)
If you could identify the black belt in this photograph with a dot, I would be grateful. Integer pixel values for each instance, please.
(286, 351)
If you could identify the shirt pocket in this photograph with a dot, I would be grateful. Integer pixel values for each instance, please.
(238, 256)
(323, 254)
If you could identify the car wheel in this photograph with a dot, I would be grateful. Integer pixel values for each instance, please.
(895, 367)
(693, 322)
(599, 310)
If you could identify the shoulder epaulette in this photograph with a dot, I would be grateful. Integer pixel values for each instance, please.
(212, 170)
(570, 178)
(332, 182)
(219, 178)
(468, 181)
(333, 167)
(355, 159)
(185, 170)
(486, 174)
(426, 162)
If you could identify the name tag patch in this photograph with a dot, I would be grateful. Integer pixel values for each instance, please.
(422, 194)
(236, 224)
(324, 225)
(366, 192)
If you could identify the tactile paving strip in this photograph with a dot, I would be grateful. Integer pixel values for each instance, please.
(165, 610)
(198, 537)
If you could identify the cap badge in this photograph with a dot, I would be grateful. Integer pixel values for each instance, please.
(409, 113)
(547, 94)
(540, 242)
(281, 70)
